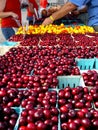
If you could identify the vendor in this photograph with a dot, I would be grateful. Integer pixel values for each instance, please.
(71, 5)
(10, 17)
(32, 11)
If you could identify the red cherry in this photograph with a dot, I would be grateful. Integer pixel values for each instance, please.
(63, 109)
(22, 128)
(41, 126)
(82, 128)
(31, 126)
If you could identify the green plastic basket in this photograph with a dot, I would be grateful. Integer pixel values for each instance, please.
(18, 110)
(85, 64)
(72, 81)
(8, 43)
(96, 63)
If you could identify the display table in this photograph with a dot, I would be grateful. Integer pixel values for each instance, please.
(42, 86)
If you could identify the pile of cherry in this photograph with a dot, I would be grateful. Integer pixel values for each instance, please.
(76, 110)
(46, 63)
(65, 109)
(90, 39)
(28, 81)
(8, 117)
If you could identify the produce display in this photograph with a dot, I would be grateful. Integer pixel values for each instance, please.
(72, 40)
(37, 68)
(30, 98)
(76, 110)
(17, 64)
(54, 29)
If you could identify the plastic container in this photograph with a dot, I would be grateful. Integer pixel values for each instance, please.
(85, 71)
(23, 109)
(85, 64)
(8, 43)
(72, 81)
(35, 106)
(32, 72)
(96, 63)
(18, 110)
(55, 89)
(59, 122)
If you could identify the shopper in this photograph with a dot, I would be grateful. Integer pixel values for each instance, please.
(43, 4)
(10, 14)
(32, 11)
(92, 6)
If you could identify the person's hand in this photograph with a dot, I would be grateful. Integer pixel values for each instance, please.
(76, 12)
(47, 21)
(14, 15)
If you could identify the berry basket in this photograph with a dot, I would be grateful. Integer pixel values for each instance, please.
(89, 74)
(96, 63)
(8, 117)
(32, 72)
(18, 126)
(8, 43)
(71, 81)
(18, 110)
(36, 104)
(85, 64)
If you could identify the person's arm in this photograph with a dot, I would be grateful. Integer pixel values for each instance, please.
(65, 9)
(6, 14)
(31, 7)
(53, 9)
(80, 10)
